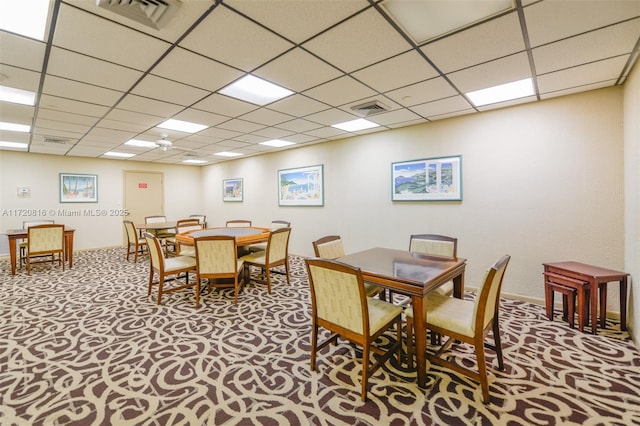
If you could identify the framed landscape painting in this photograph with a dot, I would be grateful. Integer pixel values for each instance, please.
(302, 186)
(76, 188)
(429, 179)
(232, 190)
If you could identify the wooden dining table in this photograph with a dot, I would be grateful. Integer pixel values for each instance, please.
(18, 234)
(244, 236)
(412, 274)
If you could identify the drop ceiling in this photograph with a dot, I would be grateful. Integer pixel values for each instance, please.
(103, 79)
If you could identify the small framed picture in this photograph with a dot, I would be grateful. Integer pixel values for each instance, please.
(302, 186)
(232, 190)
(428, 179)
(77, 188)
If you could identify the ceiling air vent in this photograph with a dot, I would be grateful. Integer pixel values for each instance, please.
(152, 13)
(369, 108)
(58, 141)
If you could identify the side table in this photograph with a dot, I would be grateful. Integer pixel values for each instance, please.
(598, 278)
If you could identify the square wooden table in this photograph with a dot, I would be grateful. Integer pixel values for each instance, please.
(414, 275)
(18, 234)
(598, 278)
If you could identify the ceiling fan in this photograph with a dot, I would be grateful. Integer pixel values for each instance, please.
(164, 144)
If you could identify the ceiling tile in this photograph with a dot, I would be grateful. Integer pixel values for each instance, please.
(299, 125)
(266, 116)
(149, 106)
(481, 43)
(582, 75)
(122, 125)
(100, 38)
(273, 133)
(21, 52)
(297, 70)
(298, 105)
(19, 78)
(298, 20)
(504, 70)
(200, 117)
(549, 21)
(16, 113)
(63, 88)
(66, 117)
(426, 91)
(241, 126)
(340, 91)
(69, 105)
(596, 45)
(74, 66)
(362, 40)
(224, 105)
(202, 72)
(234, 40)
(168, 91)
(402, 70)
(145, 120)
(442, 106)
(393, 117)
(331, 116)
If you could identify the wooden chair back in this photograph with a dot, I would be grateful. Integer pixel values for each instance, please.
(329, 247)
(238, 223)
(434, 245)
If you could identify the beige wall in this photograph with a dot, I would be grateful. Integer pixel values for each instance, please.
(632, 194)
(182, 185)
(542, 182)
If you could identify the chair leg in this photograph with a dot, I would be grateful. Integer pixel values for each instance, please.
(498, 343)
(314, 346)
(365, 369)
(160, 286)
(482, 369)
(268, 276)
(410, 342)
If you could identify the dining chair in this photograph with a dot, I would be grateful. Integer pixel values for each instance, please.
(339, 304)
(135, 245)
(184, 225)
(23, 244)
(276, 254)
(216, 260)
(275, 224)
(331, 247)
(238, 223)
(168, 269)
(436, 245)
(45, 240)
(201, 218)
(162, 234)
(466, 321)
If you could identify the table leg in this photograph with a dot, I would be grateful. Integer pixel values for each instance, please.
(12, 254)
(69, 250)
(420, 337)
(594, 291)
(623, 304)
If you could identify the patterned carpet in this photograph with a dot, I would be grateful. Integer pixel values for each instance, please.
(88, 347)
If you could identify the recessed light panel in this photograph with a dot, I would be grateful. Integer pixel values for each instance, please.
(277, 143)
(17, 145)
(17, 96)
(27, 18)
(182, 126)
(355, 125)
(501, 93)
(426, 20)
(118, 154)
(141, 144)
(227, 154)
(195, 161)
(14, 127)
(255, 90)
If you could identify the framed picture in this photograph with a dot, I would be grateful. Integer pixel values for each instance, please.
(75, 188)
(429, 179)
(232, 190)
(303, 186)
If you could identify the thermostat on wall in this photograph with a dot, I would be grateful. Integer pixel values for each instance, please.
(23, 192)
